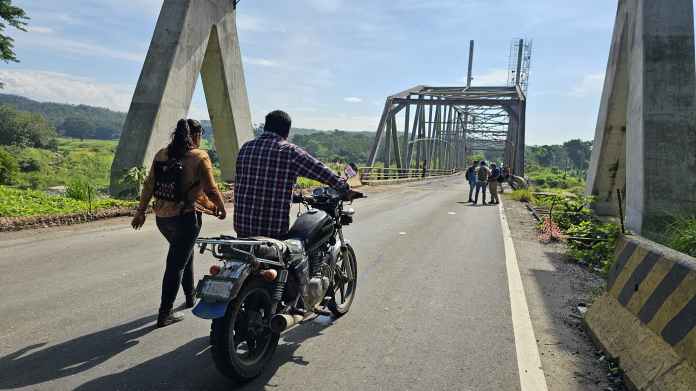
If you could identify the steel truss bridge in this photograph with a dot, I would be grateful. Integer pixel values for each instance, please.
(439, 127)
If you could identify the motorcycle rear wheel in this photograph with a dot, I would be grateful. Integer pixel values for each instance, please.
(344, 283)
(242, 343)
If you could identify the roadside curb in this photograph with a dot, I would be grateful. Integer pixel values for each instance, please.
(14, 224)
(647, 317)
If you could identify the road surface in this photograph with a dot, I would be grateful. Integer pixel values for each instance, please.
(432, 310)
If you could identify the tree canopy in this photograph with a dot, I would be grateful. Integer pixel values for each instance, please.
(14, 17)
(25, 129)
(70, 120)
(573, 154)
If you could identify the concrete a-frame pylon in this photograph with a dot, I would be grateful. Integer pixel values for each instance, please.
(645, 141)
(192, 37)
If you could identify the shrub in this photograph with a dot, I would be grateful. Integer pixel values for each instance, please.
(681, 235)
(598, 252)
(523, 195)
(9, 167)
(80, 190)
(30, 165)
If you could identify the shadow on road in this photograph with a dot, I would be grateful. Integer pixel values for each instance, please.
(191, 367)
(29, 366)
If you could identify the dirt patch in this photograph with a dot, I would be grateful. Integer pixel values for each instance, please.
(558, 292)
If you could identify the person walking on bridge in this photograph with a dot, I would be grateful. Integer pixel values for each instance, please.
(493, 183)
(181, 181)
(482, 174)
(471, 178)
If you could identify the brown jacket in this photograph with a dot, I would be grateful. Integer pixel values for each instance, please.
(198, 182)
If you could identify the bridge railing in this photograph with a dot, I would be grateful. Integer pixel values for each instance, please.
(373, 174)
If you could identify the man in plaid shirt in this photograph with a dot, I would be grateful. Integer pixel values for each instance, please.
(267, 170)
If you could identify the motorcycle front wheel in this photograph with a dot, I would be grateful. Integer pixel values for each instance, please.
(344, 283)
(242, 342)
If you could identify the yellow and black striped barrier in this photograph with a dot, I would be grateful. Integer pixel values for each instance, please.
(647, 317)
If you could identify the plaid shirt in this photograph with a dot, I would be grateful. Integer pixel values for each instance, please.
(267, 170)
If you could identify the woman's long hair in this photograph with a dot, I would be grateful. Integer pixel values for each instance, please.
(181, 141)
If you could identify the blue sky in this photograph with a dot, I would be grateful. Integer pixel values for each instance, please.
(331, 63)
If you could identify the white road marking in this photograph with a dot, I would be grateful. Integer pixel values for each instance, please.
(452, 213)
(528, 360)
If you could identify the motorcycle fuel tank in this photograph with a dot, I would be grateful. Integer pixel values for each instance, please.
(313, 228)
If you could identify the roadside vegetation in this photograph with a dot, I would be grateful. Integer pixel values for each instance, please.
(48, 169)
(681, 235)
(556, 175)
(23, 203)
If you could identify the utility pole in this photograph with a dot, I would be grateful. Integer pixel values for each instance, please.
(469, 78)
(518, 75)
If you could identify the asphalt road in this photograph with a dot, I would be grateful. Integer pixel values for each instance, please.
(432, 312)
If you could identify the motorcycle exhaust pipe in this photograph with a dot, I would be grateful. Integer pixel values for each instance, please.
(282, 322)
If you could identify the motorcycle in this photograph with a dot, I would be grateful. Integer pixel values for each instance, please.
(255, 294)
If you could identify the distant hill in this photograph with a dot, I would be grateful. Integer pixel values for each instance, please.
(89, 122)
(72, 120)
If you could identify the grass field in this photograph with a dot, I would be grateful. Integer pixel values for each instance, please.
(88, 160)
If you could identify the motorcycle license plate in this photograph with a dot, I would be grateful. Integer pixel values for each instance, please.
(216, 289)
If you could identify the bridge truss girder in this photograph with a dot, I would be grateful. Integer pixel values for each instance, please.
(441, 126)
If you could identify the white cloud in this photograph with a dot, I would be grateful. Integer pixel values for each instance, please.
(86, 49)
(40, 29)
(352, 99)
(491, 78)
(64, 88)
(198, 112)
(590, 84)
(263, 62)
(250, 23)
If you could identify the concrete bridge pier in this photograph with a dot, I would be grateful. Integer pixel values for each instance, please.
(192, 37)
(645, 142)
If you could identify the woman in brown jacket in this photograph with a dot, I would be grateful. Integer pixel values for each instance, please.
(180, 221)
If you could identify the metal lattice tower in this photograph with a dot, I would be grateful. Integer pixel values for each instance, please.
(520, 62)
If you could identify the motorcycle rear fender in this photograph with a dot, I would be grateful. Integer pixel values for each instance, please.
(208, 309)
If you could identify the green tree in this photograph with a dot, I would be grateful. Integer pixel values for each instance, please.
(15, 17)
(77, 127)
(24, 129)
(579, 152)
(9, 167)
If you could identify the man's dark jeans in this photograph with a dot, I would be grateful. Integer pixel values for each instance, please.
(181, 233)
(480, 185)
(472, 187)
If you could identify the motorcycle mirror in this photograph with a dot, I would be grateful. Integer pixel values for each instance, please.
(350, 171)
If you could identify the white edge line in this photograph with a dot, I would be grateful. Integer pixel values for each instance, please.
(528, 361)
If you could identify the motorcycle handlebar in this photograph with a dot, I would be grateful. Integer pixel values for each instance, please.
(348, 196)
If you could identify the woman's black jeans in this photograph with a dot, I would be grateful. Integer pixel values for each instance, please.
(181, 233)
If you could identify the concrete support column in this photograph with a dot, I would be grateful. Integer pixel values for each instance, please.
(647, 118)
(607, 171)
(661, 148)
(191, 37)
